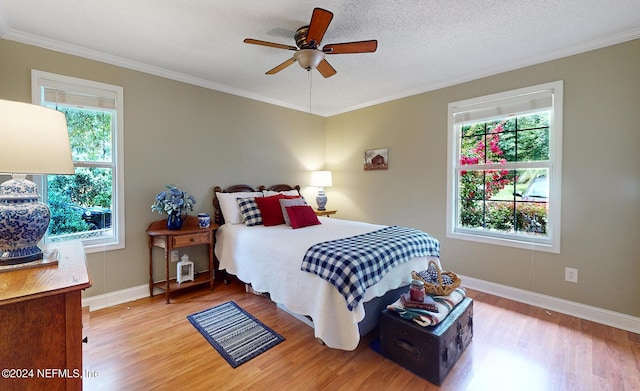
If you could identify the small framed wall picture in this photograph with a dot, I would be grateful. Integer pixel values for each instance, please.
(185, 270)
(376, 159)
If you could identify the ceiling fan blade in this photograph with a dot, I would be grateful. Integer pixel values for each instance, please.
(320, 20)
(270, 44)
(351, 47)
(326, 69)
(281, 66)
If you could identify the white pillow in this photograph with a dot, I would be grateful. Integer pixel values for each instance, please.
(229, 205)
(269, 193)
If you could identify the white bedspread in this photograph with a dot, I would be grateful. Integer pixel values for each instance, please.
(270, 258)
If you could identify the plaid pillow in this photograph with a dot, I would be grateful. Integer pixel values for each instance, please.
(249, 211)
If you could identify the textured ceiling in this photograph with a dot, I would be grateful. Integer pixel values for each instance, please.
(422, 45)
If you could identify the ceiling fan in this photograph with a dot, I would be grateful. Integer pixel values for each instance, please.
(308, 53)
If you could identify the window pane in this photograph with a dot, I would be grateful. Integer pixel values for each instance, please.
(533, 145)
(90, 134)
(471, 213)
(472, 185)
(532, 201)
(495, 181)
(494, 154)
(500, 216)
(507, 146)
(504, 185)
(80, 202)
(533, 121)
(533, 185)
(509, 124)
(472, 150)
(532, 218)
(473, 129)
(533, 137)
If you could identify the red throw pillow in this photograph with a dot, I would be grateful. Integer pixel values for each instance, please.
(302, 216)
(271, 210)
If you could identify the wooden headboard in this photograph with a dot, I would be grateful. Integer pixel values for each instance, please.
(219, 219)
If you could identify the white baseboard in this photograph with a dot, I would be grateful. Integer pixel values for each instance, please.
(582, 311)
(115, 298)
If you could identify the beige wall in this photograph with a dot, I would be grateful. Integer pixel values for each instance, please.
(600, 189)
(199, 138)
(176, 133)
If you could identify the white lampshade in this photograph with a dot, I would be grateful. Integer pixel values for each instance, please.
(321, 178)
(35, 140)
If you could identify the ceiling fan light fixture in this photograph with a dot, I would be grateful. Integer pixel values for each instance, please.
(308, 58)
(308, 39)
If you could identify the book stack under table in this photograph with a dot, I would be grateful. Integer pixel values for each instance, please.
(429, 352)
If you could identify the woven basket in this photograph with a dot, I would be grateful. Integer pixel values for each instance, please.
(440, 289)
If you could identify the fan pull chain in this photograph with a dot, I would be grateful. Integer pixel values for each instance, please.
(310, 85)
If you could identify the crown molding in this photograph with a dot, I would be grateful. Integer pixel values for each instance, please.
(90, 54)
(550, 56)
(46, 43)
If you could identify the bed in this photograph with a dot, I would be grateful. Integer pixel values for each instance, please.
(269, 258)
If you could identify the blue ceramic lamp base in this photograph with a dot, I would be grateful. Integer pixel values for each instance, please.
(23, 221)
(321, 199)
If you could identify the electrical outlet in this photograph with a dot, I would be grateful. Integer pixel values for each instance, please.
(571, 274)
(174, 256)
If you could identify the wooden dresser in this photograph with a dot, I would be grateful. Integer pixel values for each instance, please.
(41, 323)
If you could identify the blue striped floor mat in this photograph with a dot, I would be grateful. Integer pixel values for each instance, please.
(234, 333)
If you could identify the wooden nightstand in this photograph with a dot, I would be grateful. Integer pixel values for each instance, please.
(327, 213)
(189, 235)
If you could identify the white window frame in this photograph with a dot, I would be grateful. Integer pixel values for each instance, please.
(501, 105)
(91, 90)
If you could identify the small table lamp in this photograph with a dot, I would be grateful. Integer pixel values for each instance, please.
(321, 179)
(35, 140)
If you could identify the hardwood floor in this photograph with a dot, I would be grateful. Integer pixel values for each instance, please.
(149, 345)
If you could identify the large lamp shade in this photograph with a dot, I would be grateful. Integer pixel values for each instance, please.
(35, 140)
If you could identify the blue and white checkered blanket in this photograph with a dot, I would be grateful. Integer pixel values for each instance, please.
(353, 264)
